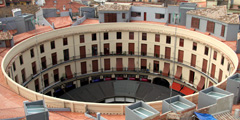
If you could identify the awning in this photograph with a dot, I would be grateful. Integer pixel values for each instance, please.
(144, 79)
(187, 91)
(68, 72)
(178, 73)
(201, 83)
(176, 86)
(132, 78)
(166, 69)
(119, 78)
(107, 79)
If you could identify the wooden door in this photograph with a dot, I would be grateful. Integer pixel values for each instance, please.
(106, 49)
(8, 43)
(107, 64)
(82, 52)
(83, 67)
(131, 48)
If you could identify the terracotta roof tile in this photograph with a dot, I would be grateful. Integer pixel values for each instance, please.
(60, 22)
(5, 35)
(23, 36)
(59, 5)
(114, 7)
(218, 13)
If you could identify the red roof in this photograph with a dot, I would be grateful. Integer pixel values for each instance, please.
(23, 36)
(60, 3)
(60, 22)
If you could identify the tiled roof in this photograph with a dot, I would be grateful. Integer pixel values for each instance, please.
(60, 3)
(5, 35)
(218, 13)
(114, 7)
(60, 22)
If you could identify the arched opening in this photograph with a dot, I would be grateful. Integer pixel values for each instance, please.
(161, 81)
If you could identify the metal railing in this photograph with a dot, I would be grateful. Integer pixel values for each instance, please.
(124, 53)
(124, 71)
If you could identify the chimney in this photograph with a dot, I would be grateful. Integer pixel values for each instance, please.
(238, 46)
(64, 8)
(16, 12)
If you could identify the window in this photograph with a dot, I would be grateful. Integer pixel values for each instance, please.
(168, 40)
(159, 16)
(16, 79)
(195, 22)
(206, 50)
(94, 50)
(46, 82)
(66, 54)
(34, 68)
(181, 42)
(191, 77)
(228, 68)
(119, 48)
(213, 70)
(215, 55)
(222, 60)
(143, 49)
(14, 66)
(56, 76)
(167, 52)
(65, 41)
(131, 48)
(54, 58)
(82, 52)
(21, 59)
(94, 65)
(94, 36)
(82, 39)
(123, 15)
(32, 53)
(41, 48)
(23, 75)
(105, 36)
(204, 65)
(210, 26)
(131, 35)
(156, 66)
(223, 30)
(193, 60)
(110, 17)
(194, 46)
(135, 14)
(52, 44)
(157, 38)
(44, 64)
(106, 48)
(119, 35)
(144, 36)
(180, 55)
(36, 82)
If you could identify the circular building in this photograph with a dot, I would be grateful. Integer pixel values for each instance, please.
(118, 63)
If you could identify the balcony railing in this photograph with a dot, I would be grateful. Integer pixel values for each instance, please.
(124, 53)
(124, 71)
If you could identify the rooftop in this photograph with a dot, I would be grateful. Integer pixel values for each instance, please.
(218, 13)
(12, 103)
(114, 7)
(5, 35)
(60, 22)
(58, 4)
